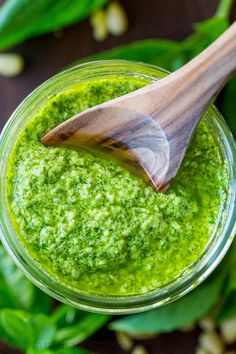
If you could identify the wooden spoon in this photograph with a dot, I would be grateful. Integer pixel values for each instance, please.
(150, 129)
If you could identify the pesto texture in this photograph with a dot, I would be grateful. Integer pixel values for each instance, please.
(93, 225)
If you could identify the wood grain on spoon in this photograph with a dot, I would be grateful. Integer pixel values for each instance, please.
(150, 129)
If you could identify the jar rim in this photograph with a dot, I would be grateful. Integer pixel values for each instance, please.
(201, 269)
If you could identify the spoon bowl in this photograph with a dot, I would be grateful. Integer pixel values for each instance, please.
(135, 140)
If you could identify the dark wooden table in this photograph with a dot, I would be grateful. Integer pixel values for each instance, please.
(48, 54)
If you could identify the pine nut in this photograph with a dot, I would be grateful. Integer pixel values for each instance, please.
(99, 25)
(124, 341)
(228, 330)
(200, 350)
(211, 342)
(116, 18)
(206, 324)
(139, 349)
(11, 64)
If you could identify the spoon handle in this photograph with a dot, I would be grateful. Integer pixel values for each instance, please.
(178, 101)
(208, 72)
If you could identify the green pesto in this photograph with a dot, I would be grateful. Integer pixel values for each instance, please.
(93, 225)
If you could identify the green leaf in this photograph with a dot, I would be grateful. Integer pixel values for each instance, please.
(227, 308)
(41, 302)
(72, 351)
(212, 28)
(6, 299)
(65, 315)
(25, 330)
(22, 19)
(159, 52)
(165, 53)
(20, 290)
(229, 104)
(75, 325)
(16, 328)
(17, 291)
(232, 269)
(177, 314)
(224, 8)
(86, 324)
(44, 331)
(205, 33)
(59, 351)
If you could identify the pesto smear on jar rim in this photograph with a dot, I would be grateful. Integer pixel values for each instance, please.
(95, 227)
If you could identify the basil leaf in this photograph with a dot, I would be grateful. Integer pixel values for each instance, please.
(16, 328)
(227, 306)
(22, 19)
(44, 331)
(159, 52)
(224, 8)
(19, 289)
(165, 53)
(204, 34)
(212, 28)
(229, 104)
(87, 324)
(6, 301)
(72, 351)
(25, 330)
(65, 315)
(41, 302)
(75, 325)
(182, 312)
(59, 351)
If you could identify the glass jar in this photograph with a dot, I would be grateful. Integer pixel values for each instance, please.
(194, 275)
